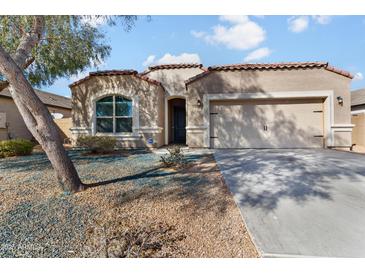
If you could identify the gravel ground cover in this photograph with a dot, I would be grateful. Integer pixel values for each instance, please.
(138, 209)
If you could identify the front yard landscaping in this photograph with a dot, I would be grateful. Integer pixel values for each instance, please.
(138, 209)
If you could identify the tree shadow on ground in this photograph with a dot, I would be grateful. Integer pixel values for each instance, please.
(38, 161)
(151, 173)
(196, 189)
(199, 183)
(262, 178)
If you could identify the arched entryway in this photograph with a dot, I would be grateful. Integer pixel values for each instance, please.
(176, 121)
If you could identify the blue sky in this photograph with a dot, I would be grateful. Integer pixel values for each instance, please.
(212, 40)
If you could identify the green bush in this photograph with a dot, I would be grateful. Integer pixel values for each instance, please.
(97, 144)
(16, 147)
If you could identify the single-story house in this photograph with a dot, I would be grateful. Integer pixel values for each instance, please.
(358, 119)
(11, 122)
(278, 105)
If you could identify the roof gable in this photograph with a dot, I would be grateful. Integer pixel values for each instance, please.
(116, 72)
(271, 66)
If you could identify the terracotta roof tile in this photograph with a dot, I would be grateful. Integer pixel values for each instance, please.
(176, 66)
(152, 81)
(339, 71)
(113, 73)
(271, 66)
(49, 99)
(198, 76)
(268, 66)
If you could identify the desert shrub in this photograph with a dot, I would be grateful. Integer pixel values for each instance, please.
(175, 157)
(152, 240)
(97, 144)
(15, 147)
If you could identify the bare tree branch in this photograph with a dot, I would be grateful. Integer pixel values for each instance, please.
(28, 42)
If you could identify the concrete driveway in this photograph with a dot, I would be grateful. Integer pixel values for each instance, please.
(300, 202)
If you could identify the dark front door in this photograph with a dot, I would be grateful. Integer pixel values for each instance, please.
(179, 125)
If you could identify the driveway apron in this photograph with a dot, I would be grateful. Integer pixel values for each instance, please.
(300, 202)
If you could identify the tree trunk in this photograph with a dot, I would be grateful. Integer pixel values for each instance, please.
(39, 122)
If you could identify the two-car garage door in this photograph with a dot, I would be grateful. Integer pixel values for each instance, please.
(263, 123)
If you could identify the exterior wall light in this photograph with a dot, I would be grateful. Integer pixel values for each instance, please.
(199, 103)
(340, 100)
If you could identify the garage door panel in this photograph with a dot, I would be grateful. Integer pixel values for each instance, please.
(295, 125)
(231, 124)
(267, 124)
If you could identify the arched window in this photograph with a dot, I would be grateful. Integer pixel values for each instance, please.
(114, 115)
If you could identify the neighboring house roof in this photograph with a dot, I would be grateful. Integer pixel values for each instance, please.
(116, 72)
(358, 97)
(49, 99)
(271, 66)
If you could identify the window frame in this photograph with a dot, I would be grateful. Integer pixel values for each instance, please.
(113, 117)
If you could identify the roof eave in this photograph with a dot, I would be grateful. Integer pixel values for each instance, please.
(339, 71)
(293, 65)
(175, 66)
(116, 73)
(197, 77)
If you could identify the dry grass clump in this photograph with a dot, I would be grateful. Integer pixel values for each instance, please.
(120, 238)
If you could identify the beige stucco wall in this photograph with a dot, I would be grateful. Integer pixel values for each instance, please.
(173, 80)
(268, 81)
(342, 139)
(148, 102)
(358, 133)
(17, 127)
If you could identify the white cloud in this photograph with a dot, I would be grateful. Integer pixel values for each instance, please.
(198, 34)
(298, 23)
(322, 19)
(241, 34)
(257, 54)
(150, 59)
(173, 59)
(358, 76)
(301, 23)
(234, 19)
(177, 59)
